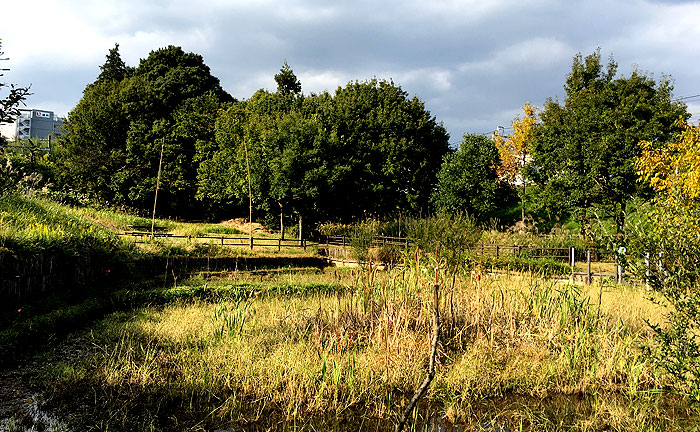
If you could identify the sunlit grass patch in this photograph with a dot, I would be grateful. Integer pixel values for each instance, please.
(291, 349)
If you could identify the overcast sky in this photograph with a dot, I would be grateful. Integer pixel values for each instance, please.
(473, 62)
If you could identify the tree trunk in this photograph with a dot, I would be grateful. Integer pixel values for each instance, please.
(300, 232)
(583, 220)
(522, 193)
(620, 220)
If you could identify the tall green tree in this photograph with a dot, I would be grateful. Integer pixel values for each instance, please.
(282, 149)
(93, 151)
(468, 179)
(384, 152)
(115, 133)
(114, 68)
(584, 149)
(287, 82)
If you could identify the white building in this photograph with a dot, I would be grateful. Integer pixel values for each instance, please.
(32, 123)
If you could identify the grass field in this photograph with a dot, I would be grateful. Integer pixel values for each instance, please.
(337, 349)
(332, 349)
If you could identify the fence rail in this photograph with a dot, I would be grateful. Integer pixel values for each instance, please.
(340, 248)
(377, 241)
(247, 241)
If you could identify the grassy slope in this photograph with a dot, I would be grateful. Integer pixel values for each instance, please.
(87, 240)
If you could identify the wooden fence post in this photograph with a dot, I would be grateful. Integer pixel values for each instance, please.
(279, 244)
(498, 247)
(589, 276)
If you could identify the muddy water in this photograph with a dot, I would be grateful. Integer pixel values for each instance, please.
(502, 414)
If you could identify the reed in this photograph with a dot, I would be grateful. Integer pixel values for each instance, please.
(257, 356)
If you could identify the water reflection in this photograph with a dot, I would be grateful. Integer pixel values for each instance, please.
(508, 413)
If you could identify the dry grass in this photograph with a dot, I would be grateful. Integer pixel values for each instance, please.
(509, 345)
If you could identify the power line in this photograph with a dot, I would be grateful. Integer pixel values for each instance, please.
(686, 97)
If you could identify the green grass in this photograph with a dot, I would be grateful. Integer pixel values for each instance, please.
(222, 230)
(329, 349)
(323, 348)
(28, 221)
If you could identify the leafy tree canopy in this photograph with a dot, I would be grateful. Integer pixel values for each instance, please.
(365, 150)
(468, 179)
(116, 131)
(114, 68)
(514, 152)
(385, 151)
(287, 82)
(584, 149)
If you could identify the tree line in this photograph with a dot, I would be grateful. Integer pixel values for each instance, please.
(366, 150)
(573, 158)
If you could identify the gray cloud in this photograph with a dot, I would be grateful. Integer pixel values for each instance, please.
(474, 63)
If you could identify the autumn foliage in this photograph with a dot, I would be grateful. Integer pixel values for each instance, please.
(673, 169)
(514, 151)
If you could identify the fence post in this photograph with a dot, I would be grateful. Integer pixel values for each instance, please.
(343, 240)
(222, 240)
(647, 265)
(251, 242)
(498, 247)
(304, 241)
(589, 276)
(279, 244)
(572, 256)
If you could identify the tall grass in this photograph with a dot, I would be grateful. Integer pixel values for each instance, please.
(263, 357)
(32, 223)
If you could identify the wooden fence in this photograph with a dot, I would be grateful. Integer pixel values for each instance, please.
(377, 241)
(239, 241)
(340, 248)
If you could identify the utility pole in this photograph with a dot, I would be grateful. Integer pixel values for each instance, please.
(155, 200)
(250, 195)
